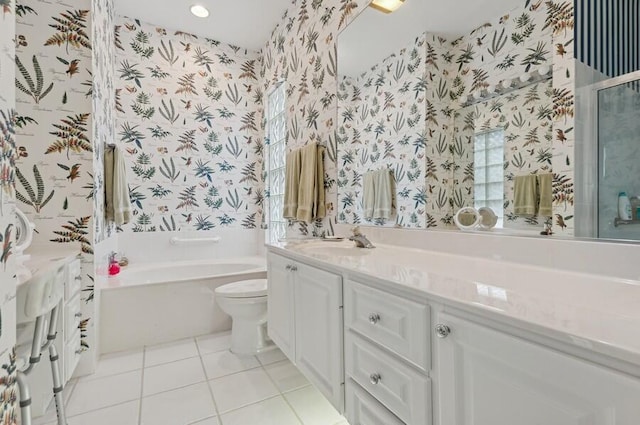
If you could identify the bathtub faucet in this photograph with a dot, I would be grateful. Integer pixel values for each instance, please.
(360, 239)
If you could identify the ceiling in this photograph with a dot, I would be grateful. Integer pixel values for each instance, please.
(244, 23)
(373, 35)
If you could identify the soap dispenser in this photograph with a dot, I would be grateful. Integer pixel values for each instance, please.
(624, 206)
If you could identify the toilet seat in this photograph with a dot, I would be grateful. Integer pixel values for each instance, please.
(244, 289)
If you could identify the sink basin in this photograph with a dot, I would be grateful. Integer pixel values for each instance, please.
(335, 249)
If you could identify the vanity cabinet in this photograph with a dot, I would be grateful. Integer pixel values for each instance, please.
(305, 321)
(486, 377)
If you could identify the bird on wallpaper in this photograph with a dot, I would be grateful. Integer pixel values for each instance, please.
(187, 46)
(560, 50)
(535, 6)
(203, 74)
(560, 136)
(130, 27)
(188, 217)
(187, 104)
(504, 19)
(560, 221)
(132, 151)
(73, 68)
(74, 171)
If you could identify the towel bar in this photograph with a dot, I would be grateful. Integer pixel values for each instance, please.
(176, 240)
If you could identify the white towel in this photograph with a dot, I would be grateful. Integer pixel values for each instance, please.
(368, 194)
(117, 201)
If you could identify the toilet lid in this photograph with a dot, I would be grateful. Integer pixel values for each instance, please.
(244, 289)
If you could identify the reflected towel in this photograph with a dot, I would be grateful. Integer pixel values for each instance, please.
(525, 195)
(383, 204)
(291, 185)
(319, 208)
(368, 194)
(117, 201)
(545, 189)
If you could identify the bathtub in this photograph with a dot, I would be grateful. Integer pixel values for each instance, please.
(149, 304)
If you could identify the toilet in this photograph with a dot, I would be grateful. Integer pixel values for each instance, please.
(246, 303)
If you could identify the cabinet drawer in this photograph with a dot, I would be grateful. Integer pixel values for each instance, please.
(74, 279)
(362, 409)
(399, 387)
(396, 323)
(72, 353)
(72, 316)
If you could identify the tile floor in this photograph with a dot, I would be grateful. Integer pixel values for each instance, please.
(194, 382)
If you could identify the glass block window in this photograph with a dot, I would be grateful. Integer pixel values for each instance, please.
(489, 172)
(276, 152)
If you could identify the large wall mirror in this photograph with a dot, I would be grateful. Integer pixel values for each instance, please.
(441, 110)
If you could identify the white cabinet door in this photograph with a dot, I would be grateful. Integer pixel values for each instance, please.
(280, 302)
(486, 377)
(319, 347)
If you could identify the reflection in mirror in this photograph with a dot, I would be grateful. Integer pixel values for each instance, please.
(498, 142)
(400, 93)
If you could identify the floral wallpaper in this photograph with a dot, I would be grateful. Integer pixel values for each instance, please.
(381, 123)
(188, 120)
(8, 152)
(302, 51)
(64, 98)
(525, 116)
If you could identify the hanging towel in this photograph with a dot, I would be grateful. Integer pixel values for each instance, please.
(383, 204)
(117, 201)
(319, 209)
(525, 195)
(545, 188)
(291, 185)
(308, 190)
(368, 194)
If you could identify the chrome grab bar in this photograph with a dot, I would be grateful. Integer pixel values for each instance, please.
(176, 240)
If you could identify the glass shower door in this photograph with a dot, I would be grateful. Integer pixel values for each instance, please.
(618, 157)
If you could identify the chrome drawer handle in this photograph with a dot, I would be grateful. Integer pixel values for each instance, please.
(442, 331)
(374, 318)
(78, 315)
(375, 378)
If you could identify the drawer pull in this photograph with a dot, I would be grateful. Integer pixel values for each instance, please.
(375, 378)
(374, 318)
(294, 268)
(442, 331)
(78, 315)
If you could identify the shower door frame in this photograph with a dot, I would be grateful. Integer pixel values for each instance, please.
(592, 150)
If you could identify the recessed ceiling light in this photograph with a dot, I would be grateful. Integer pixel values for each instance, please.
(386, 6)
(200, 11)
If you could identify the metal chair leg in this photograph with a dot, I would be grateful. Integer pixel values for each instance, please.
(25, 398)
(58, 385)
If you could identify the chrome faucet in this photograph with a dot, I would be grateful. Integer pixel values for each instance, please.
(360, 239)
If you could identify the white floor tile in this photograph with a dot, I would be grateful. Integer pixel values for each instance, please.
(271, 356)
(172, 375)
(225, 363)
(274, 411)
(166, 353)
(286, 376)
(213, 343)
(113, 364)
(312, 407)
(122, 414)
(179, 407)
(244, 388)
(210, 421)
(104, 392)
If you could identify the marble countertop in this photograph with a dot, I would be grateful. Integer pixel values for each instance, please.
(42, 259)
(593, 312)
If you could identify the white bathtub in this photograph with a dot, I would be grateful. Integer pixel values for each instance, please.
(150, 304)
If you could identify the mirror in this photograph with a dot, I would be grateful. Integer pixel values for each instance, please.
(464, 107)
(456, 117)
